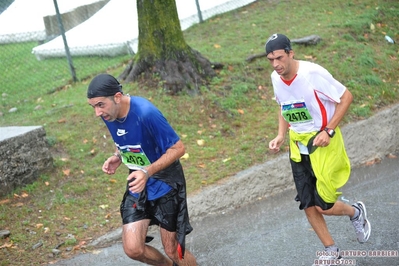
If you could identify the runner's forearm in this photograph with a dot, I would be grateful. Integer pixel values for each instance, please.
(172, 154)
(341, 109)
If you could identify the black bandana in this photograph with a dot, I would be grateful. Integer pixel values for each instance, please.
(103, 85)
(278, 42)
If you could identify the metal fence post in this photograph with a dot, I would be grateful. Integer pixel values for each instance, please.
(68, 54)
(199, 11)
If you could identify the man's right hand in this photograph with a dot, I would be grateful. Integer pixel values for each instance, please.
(275, 144)
(111, 164)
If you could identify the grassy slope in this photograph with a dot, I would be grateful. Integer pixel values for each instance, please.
(236, 116)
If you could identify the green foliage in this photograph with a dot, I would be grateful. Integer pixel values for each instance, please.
(362, 111)
(367, 60)
(372, 80)
(70, 242)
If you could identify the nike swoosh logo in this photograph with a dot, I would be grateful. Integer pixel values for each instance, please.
(121, 132)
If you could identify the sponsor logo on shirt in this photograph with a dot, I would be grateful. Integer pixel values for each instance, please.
(121, 132)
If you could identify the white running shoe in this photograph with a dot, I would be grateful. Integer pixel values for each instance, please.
(361, 224)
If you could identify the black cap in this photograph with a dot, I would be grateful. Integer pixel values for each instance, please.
(278, 42)
(103, 85)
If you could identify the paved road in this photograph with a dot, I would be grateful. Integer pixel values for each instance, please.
(274, 232)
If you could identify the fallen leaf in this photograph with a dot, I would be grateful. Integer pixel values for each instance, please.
(38, 226)
(4, 201)
(202, 165)
(240, 111)
(372, 27)
(47, 183)
(204, 182)
(113, 181)
(392, 156)
(85, 141)
(227, 159)
(217, 46)
(63, 120)
(24, 195)
(200, 142)
(103, 206)
(66, 172)
(374, 161)
(80, 245)
(6, 245)
(107, 216)
(185, 156)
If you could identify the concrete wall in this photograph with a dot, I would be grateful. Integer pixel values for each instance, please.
(24, 155)
(72, 18)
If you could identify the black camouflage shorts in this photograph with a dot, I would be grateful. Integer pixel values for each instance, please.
(305, 183)
(162, 211)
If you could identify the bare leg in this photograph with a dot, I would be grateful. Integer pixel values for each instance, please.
(316, 219)
(319, 225)
(339, 209)
(170, 244)
(133, 238)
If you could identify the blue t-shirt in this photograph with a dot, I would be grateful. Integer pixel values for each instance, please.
(142, 139)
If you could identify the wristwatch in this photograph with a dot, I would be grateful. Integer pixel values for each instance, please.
(330, 131)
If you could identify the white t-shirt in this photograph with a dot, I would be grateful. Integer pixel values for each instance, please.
(308, 103)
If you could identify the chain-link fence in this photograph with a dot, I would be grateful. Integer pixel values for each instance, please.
(99, 34)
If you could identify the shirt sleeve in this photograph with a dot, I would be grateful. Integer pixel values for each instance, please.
(161, 130)
(327, 87)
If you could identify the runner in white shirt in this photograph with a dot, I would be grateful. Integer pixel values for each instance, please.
(312, 103)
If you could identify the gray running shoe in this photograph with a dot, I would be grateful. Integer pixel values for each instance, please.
(361, 224)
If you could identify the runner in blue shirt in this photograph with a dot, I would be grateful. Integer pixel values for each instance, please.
(156, 188)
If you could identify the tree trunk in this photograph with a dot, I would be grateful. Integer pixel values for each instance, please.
(163, 51)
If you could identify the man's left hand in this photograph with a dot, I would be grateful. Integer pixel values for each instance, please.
(322, 139)
(138, 180)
